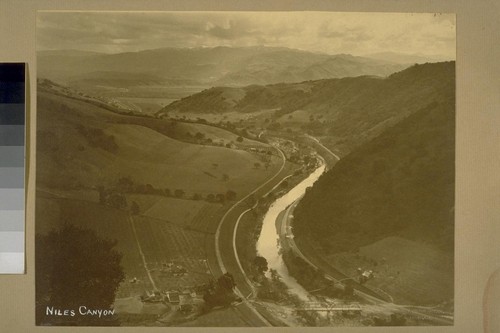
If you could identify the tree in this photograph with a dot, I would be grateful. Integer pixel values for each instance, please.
(348, 289)
(126, 184)
(179, 193)
(256, 165)
(140, 188)
(149, 189)
(226, 282)
(102, 194)
(225, 177)
(199, 136)
(221, 292)
(239, 139)
(117, 200)
(134, 208)
(252, 200)
(260, 263)
(75, 267)
(274, 126)
(230, 195)
(221, 197)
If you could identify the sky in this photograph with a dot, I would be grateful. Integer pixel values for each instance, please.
(325, 32)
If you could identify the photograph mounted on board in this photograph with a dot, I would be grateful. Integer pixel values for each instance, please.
(212, 169)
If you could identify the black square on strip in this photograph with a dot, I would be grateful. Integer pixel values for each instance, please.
(12, 72)
(12, 83)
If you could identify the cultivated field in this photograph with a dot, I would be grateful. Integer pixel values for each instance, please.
(184, 213)
(163, 244)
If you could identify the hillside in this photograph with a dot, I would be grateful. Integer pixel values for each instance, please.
(389, 206)
(82, 145)
(203, 66)
(350, 109)
(400, 182)
(157, 187)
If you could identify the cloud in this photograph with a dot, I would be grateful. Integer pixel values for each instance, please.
(232, 29)
(329, 32)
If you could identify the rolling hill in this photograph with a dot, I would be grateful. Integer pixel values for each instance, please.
(353, 108)
(84, 145)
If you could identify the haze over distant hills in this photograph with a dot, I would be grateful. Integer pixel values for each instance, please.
(401, 58)
(232, 66)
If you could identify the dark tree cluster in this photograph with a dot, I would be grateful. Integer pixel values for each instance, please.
(97, 138)
(220, 292)
(127, 185)
(75, 267)
(111, 198)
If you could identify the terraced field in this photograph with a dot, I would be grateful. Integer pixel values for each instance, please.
(177, 211)
(211, 212)
(164, 243)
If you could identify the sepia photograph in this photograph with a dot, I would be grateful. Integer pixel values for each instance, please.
(245, 169)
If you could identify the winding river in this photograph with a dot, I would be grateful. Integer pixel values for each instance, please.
(268, 243)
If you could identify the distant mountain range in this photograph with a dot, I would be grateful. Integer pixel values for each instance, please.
(228, 66)
(401, 58)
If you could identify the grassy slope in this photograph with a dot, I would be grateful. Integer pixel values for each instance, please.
(400, 184)
(146, 155)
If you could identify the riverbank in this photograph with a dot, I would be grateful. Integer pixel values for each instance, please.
(250, 226)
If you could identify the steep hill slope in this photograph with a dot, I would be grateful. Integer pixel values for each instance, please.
(389, 207)
(401, 183)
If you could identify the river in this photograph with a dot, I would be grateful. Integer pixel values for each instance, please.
(268, 243)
